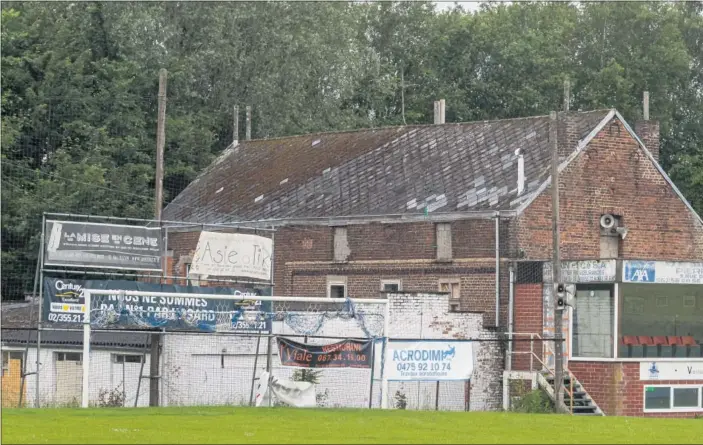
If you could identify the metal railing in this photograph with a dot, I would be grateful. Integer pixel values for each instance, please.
(539, 357)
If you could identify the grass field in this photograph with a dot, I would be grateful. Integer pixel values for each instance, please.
(281, 425)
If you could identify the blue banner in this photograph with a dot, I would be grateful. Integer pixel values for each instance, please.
(64, 303)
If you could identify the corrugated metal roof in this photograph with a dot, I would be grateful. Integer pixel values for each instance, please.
(409, 169)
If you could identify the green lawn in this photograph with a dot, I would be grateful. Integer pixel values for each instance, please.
(281, 425)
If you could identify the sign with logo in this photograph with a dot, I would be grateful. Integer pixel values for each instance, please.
(232, 255)
(671, 370)
(662, 272)
(103, 246)
(592, 271)
(64, 303)
(429, 360)
(343, 354)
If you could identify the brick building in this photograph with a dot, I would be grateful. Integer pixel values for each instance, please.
(465, 209)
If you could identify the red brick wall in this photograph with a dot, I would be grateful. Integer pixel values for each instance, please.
(613, 175)
(527, 314)
(617, 389)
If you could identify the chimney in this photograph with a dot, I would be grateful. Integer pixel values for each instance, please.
(248, 127)
(520, 172)
(439, 107)
(648, 130)
(235, 130)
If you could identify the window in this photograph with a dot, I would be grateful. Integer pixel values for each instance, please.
(452, 287)
(8, 357)
(660, 320)
(336, 287)
(69, 357)
(126, 358)
(680, 398)
(593, 321)
(444, 241)
(391, 286)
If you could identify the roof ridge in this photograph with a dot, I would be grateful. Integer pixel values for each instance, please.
(410, 127)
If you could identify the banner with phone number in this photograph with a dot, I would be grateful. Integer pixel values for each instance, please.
(429, 360)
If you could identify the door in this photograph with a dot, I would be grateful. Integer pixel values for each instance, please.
(69, 378)
(593, 322)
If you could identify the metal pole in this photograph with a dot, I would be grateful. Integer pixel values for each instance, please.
(253, 374)
(141, 372)
(497, 323)
(373, 367)
(86, 351)
(23, 371)
(160, 142)
(384, 353)
(248, 123)
(556, 264)
(41, 308)
(567, 94)
(235, 129)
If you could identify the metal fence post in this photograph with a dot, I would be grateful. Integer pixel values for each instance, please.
(86, 352)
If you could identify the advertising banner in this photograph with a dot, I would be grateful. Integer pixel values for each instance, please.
(430, 360)
(343, 354)
(297, 394)
(64, 303)
(232, 255)
(663, 272)
(103, 246)
(671, 370)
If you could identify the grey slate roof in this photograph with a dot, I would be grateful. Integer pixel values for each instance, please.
(19, 323)
(409, 169)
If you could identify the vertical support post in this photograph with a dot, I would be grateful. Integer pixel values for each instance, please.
(248, 127)
(253, 374)
(437, 111)
(497, 323)
(556, 264)
(373, 368)
(86, 351)
(442, 105)
(160, 142)
(511, 303)
(41, 309)
(154, 366)
(235, 129)
(645, 105)
(567, 94)
(436, 397)
(269, 351)
(384, 355)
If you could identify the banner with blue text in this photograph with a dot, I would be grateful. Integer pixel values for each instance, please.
(430, 360)
(64, 303)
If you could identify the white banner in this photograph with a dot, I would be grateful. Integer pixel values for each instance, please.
(297, 394)
(671, 370)
(232, 255)
(429, 360)
(665, 272)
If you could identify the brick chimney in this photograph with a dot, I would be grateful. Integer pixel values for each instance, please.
(648, 130)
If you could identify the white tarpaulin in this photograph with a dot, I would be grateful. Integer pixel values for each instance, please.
(232, 255)
(298, 394)
(431, 360)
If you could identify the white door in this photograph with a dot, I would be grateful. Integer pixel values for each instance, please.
(69, 378)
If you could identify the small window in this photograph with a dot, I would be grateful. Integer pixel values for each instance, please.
(686, 398)
(336, 287)
(8, 357)
(126, 358)
(657, 397)
(68, 357)
(452, 287)
(662, 301)
(390, 285)
(689, 301)
(453, 307)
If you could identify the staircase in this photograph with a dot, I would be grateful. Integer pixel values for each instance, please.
(583, 404)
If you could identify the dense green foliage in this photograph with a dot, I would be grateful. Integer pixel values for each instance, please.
(329, 426)
(79, 85)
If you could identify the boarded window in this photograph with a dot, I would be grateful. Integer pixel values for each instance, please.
(444, 241)
(341, 244)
